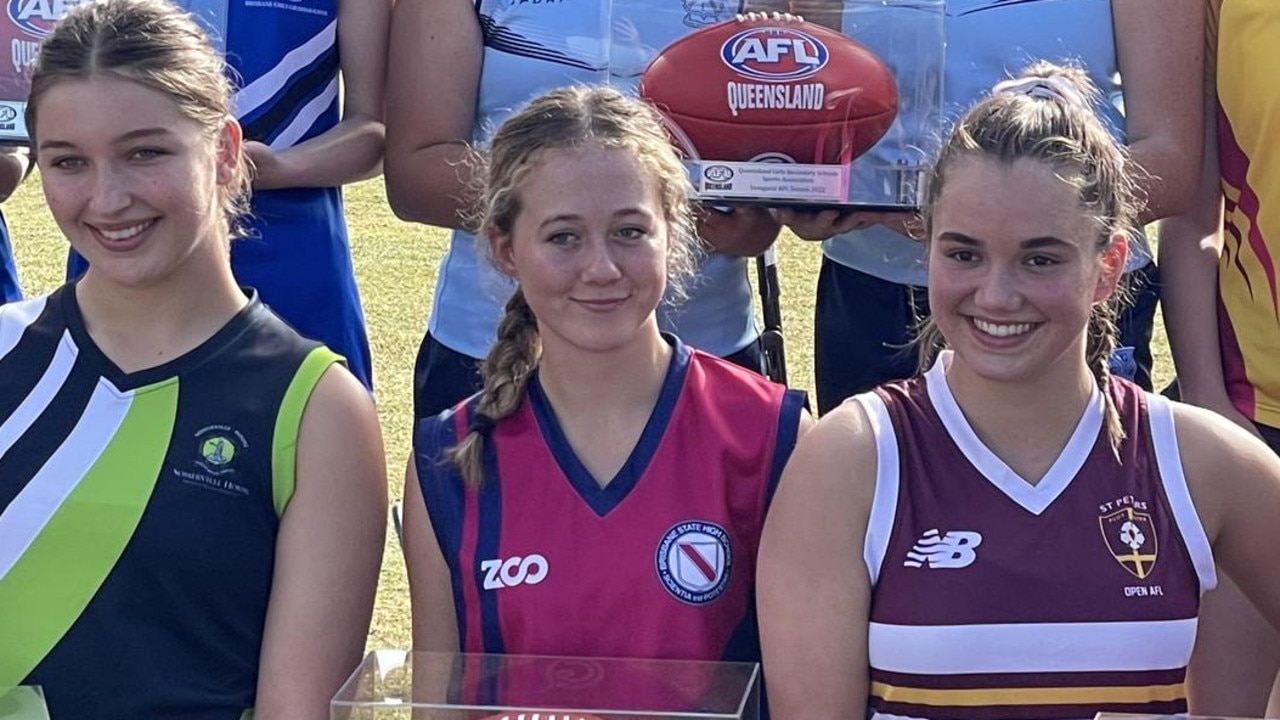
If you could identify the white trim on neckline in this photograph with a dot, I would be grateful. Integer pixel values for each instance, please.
(1033, 498)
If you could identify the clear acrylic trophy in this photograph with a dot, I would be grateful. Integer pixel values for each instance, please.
(401, 685)
(907, 35)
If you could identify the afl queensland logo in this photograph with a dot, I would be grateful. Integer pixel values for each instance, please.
(693, 561)
(36, 17)
(774, 54)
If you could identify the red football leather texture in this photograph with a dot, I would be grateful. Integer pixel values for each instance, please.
(773, 89)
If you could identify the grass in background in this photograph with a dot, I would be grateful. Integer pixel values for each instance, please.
(395, 265)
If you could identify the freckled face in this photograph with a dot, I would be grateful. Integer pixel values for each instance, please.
(1015, 269)
(130, 180)
(589, 248)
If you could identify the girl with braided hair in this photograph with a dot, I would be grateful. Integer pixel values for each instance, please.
(603, 495)
(1034, 535)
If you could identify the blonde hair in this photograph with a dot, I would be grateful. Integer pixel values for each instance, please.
(565, 118)
(1047, 115)
(152, 43)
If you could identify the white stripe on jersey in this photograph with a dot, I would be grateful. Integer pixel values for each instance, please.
(1164, 438)
(14, 320)
(1031, 647)
(31, 510)
(265, 87)
(884, 502)
(14, 426)
(306, 117)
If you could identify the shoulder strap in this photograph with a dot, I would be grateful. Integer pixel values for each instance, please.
(284, 441)
(1164, 440)
(884, 503)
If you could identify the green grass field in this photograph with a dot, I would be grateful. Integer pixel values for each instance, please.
(395, 265)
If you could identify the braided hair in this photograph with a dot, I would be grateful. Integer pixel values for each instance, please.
(565, 118)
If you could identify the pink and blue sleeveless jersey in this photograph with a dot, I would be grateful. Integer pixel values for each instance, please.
(996, 598)
(658, 563)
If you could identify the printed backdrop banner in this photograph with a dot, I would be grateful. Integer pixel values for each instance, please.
(24, 23)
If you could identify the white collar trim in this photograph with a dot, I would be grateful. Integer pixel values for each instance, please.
(1033, 498)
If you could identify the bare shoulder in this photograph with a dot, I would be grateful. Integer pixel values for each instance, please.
(340, 432)
(836, 457)
(338, 399)
(1224, 464)
(1207, 440)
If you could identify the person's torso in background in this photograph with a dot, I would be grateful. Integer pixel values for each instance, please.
(989, 41)
(1246, 48)
(533, 47)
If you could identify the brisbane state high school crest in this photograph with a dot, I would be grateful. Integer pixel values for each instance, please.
(1131, 537)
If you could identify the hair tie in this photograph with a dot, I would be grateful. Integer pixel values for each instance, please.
(1058, 89)
(481, 423)
(1053, 87)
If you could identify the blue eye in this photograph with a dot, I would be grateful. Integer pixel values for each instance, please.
(561, 238)
(632, 233)
(67, 163)
(147, 153)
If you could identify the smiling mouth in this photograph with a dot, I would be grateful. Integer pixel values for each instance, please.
(125, 233)
(1002, 329)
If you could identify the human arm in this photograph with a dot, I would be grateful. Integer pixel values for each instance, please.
(1234, 480)
(435, 626)
(352, 149)
(1160, 48)
(815, 641)
(436, 55)
(824, 223)
(328, 553)
(15, 163)
(1190, 247)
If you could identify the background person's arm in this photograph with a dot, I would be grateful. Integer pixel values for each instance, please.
(436, 56)
(352, 149)
(1160, 48)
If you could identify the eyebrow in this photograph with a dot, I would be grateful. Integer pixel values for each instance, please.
(570, 217)
(131, 135)
(1035, 243)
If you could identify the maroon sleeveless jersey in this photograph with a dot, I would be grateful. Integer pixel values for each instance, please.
(996, 598)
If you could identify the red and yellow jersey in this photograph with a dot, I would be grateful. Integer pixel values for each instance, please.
(1244, 48)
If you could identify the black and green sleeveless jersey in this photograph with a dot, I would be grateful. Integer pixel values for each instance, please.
(138, 511)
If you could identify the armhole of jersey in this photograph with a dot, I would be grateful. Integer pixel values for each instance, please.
(1164, 439)
(793, 402)
(284, 440)
(884, 503)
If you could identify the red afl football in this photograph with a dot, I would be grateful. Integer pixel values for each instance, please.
(761, 88)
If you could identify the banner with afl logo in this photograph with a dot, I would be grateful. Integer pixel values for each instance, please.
(25, 24)
(837, 103)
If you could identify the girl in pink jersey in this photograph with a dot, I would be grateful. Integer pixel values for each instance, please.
(1013, 533)
(604, 493)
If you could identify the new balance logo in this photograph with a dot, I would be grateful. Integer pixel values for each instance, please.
(528, 570)
(953, 550)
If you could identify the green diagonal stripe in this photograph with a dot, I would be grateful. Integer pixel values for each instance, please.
(284, 441)
(53, 581)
